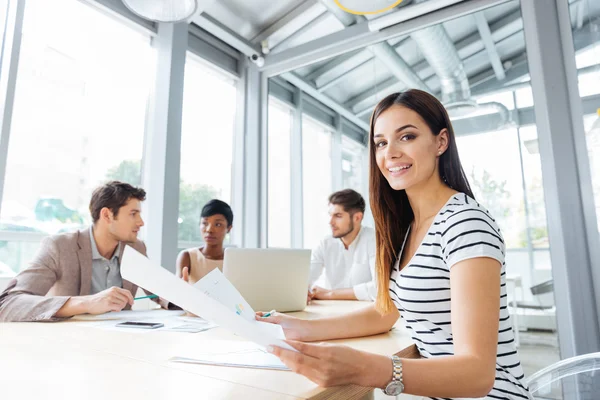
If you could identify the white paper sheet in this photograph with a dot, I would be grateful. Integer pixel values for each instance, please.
(171, 323)
(129, 315)
(138, 269)
(216, 286)
(237, 354)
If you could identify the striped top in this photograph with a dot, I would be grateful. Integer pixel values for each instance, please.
(421, 291)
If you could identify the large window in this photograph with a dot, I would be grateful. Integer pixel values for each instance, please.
(279, 202)
(495, 177)
(589, 84)
(209, 111)
(354, 164)
(78, 120)
(316, 180)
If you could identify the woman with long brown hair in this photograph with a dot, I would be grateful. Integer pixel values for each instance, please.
(440, 267)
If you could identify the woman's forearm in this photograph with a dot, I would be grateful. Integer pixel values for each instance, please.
(452, 376)
(359, 323)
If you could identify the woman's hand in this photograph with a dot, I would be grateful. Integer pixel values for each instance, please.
(185, 274)
(294, 328)
(334, 365)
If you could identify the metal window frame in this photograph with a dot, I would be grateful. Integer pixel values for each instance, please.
(11, 47)
(162, 144)
(573, 234)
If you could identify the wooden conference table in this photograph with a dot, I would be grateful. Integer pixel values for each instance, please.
(67, 360)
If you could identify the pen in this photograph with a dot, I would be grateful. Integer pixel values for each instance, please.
(152, 296)
(268, 314)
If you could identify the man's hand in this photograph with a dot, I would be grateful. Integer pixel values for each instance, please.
(112, 299)
(319, 293)
(309, 297)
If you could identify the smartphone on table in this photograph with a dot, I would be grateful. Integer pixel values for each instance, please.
(141, 325)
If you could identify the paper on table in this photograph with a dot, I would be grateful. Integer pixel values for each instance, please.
(139, 270)
(129, 315)
(238, 354)
(216, 286)
(171, 323)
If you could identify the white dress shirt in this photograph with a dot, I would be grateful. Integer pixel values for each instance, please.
(347, 268)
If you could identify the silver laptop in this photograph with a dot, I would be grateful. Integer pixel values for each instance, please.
(269, 279)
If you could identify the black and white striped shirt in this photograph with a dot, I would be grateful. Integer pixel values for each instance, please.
(421, 291)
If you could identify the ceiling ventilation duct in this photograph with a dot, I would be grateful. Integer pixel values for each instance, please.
(439, 51)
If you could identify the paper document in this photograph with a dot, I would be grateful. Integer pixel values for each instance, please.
(216, 286)
(171, 323)
(139, 270)
(130, 315)
(240, 354)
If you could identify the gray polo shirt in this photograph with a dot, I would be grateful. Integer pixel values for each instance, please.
(105, 273)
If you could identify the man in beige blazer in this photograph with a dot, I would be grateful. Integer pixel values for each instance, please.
(79, 272)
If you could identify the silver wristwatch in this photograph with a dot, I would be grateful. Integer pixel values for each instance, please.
(395, 387)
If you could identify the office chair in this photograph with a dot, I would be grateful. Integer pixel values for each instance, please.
(575, 378)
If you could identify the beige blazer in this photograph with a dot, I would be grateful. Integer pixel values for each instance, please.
(62, 268)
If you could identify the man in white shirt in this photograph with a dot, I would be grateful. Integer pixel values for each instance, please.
(348, 256)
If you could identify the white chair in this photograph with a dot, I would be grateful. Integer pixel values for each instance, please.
(575, 378)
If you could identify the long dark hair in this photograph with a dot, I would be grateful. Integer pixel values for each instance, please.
(391, 210)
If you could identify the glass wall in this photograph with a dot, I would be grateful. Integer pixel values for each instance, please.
(78, 120)
(587, 58)
(279, 187)
(354, 165)
(207, 131)
(316, 180)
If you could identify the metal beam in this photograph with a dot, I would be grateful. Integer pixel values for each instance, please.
(374, 94)
(490, 45)
(296, 182)
(303, 29)
(383, 51)
(10, 47)
(335, 106)
(485, 81)
(283, 21)
(525, 117)
(362, 104)
(162, 144)
(340, 78)
(502, 29)
(359, 36)
(336, 156)
(580, 13)
(408, 13)
(255, 117)
(222, 32)
(466, 47)
(333, 63)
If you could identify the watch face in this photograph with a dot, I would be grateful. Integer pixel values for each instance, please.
(394, 388)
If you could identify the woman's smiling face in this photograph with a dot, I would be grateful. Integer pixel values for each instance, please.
(406, 151)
